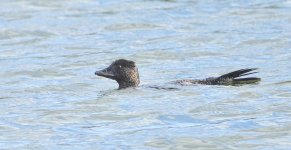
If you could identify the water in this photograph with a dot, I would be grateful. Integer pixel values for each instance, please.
(51, 99)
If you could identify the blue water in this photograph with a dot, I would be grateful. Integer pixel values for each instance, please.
(51, 99)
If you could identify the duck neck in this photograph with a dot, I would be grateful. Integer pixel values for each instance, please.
(131, 79)
(126, 84)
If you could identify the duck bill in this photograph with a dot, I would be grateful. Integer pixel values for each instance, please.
(107, 73)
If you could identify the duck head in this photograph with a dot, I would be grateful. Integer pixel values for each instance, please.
(123, 71)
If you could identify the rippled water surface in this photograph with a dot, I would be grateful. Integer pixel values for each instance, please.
(51, 99)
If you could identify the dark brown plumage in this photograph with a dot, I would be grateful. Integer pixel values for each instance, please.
(126, 75)
(124, 72)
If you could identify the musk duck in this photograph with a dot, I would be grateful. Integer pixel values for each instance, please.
(125, 73)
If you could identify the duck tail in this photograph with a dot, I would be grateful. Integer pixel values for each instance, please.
(234, 76)
(251, 80)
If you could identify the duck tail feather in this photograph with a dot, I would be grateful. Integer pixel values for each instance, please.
(238, 73)
(250, 80)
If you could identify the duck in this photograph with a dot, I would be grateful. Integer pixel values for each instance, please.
(125, 73)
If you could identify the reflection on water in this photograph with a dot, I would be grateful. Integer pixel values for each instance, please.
(50, 97)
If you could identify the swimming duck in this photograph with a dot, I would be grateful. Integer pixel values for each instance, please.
(125, 73)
